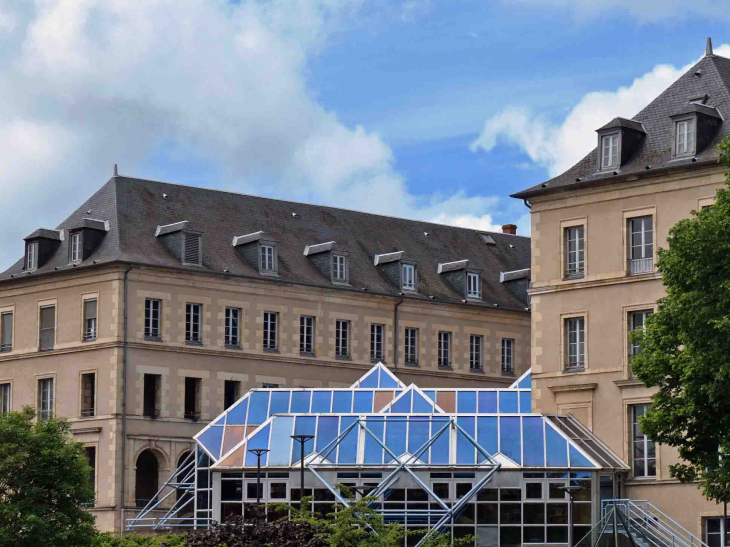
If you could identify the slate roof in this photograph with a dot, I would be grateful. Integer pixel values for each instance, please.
(708, 77)
(135, 207)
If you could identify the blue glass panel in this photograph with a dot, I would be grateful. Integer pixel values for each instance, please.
(342, 401)
(487, 435)
(466, 402)
(395, 437)
(557, 448)
(440, 447)
(326, 432)
(510, 440)
(465, 451)
(348, 446)
(577, 459)
(221, 420)
(403, 404)
(534, 450)
(279, 402)
(363, 402)
(373, 451)
(212, 440)
(300, 402)
(526, 382)
(525, 402)
(259, 407)
(421, 405)
(418, 436)
(260, 440)
(280, 443)
(371, 380)
(508, 402)
(487, 402)
(237, 414)
(430, 394)
(321, 402)
(386, 380)
(305, 425)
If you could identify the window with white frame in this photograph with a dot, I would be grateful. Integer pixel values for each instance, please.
(376, 342)
(444, 349)
(75, 248)
(641, 245)
(685, 137)
(476, 343)
(90, 322)
(411, 347)
(339, 268)
(271, 330)
(609, 151)
(715, 528)
(473, 285)
(267, 260)
(233, 327)
(408, 277)
(45, 398)
(47, 335)
(193, 316)
(88, 394)
(508, 355)
(575, 336)
(643, 450)
(574, 251)
(306, 334)
(342, 338)
(5, 398)
(6, 331)
(31, 256)
(152, 309)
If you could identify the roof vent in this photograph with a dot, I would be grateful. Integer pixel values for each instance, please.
(164, 196)
(191, 249)
(698, 72)
(294, 215)
(488, 239)
(426, 234)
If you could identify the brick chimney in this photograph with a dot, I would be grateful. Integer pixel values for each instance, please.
(509, 229)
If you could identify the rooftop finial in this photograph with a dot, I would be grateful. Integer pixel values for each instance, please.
(116, 172)
(708, 48)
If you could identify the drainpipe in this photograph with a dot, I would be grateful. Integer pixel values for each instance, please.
(395, 336)
(124, 405)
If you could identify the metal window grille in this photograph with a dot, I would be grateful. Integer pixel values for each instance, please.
(152, 308)
(192, 254)
(641, 250)
(270, 329)
(610, 151)
(376, 342)
(643, 451)
(575, 342)
(475, 352)
(232, 328)
(685, 137)
(48, 328)
(267, 258)
(339, 271)
(31, 254)
(6, 334)
(45, 398)
(306, 334)
(76, 249)
(192, 323)
(408, 277)
(444, 349)
(574, 251)
(411, 345)
(508, 352)
(88, 389)
(4, 398)
(342, 338)
(473, 285)
(90, 319)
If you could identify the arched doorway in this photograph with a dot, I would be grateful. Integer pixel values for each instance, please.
(147, 478)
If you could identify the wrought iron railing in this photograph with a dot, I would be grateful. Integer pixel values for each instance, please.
(639, 266)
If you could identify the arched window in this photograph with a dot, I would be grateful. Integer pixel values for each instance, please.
(147, 478)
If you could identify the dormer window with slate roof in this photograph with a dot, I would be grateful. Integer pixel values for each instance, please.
(75, 248)
(609, 151)
(31, 256)
(185, 244)
(192, 249)
(267, 257)
(402, 274)
(694, 127)
(340, 268)
(40, 246)
(465, 281)
(408, 277)
(617, 140)
(331, 263)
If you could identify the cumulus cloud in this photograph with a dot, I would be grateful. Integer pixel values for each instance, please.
(85, 84)
(558, 146)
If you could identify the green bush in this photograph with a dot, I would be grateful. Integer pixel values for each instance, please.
(135, 540)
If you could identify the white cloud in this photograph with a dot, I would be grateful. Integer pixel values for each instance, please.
(558, 147)
(88, 83)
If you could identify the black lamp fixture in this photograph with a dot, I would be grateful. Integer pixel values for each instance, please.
(302, 439)
(258, 452)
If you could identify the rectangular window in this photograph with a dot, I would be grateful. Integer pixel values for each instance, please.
(45, 398)
(574, 251)
(609, 155)
(376, 342)
(473, 285)
(88, 394)
(444, 349)
(267, 258)
(575, 337)
(408, 277)
(90, 453)
(192, 399)
(232, 327)
(637, 321)
(75, 248)
(475, 352)
(643, 450)
(342, 338)
(6, 331)
(508, 354)
(31, 256)
(151, 395)
(685, 139)
(231, 393)
(339, 268)
(4, 398)
(192, 323)
(47, 328)
(641, 245)
(714, 529)
(411, 346)
(152, 309)
(90, 319)
(306, 334)
(270, 330)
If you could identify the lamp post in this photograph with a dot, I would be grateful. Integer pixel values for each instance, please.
(258, 452)
(301, 439)
(571, 491)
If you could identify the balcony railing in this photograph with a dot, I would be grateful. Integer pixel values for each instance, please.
(638, 266)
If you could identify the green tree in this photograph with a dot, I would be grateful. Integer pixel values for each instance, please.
(686, 347)
(44, 484)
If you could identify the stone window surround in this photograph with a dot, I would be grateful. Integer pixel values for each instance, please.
(84, 298)
(626, 311)
(42, 304)
(564, 340)
(572, 223)
(38, 378)
(629, 214)
(10, 308)
(627, 432)
(95, 372)
(9, 381)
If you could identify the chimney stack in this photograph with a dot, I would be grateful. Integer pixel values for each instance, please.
(509, 229)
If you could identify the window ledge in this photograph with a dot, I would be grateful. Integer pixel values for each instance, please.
(343, 358)
(307, 354)
(445, 367)
(233, 346)
(509, 373)
(89, 417)
(153, 339)
(576, 277)
(341, 282)
(479, 370)
(194, 343)
(574, 370)
(271, 350)
(269, 274)
(412, 364)
(6, 350)
(89, 339)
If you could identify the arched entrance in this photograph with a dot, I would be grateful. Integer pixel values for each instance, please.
(147, 478)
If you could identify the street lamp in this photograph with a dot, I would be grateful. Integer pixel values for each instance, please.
(301, 439)
(571, 491)
(258, 452)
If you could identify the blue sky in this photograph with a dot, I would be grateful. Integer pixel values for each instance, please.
(426, 109)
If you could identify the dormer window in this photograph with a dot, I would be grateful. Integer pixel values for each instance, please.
(75, 248)
(339, 268)
(31, 256)
(473, 285)
(618, 140)
(684, 137)
(267, 258)
(192, 249)
(408, 277)
(609, 151)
